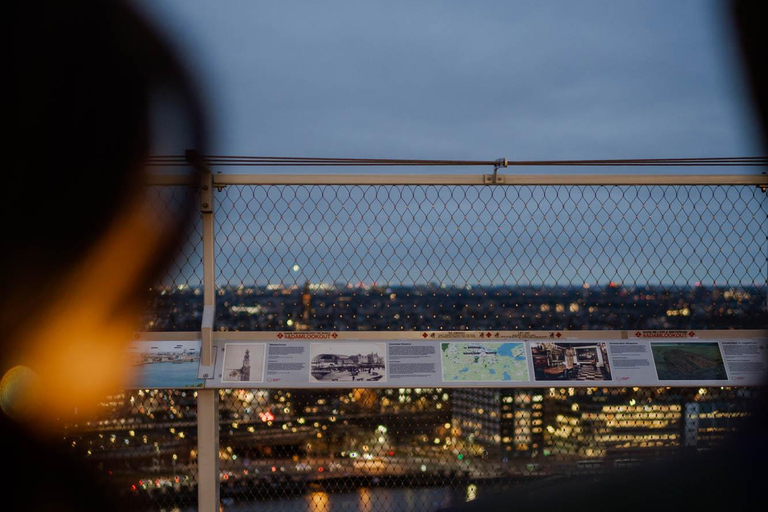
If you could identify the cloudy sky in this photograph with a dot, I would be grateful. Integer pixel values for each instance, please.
(476, 80)
(465, 80)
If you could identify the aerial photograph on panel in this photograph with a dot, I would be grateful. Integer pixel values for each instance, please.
(688, 361)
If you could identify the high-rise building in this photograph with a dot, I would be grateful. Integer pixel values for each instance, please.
(499, 423)
(612, 423)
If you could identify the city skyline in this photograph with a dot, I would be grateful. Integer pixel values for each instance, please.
(496, 308)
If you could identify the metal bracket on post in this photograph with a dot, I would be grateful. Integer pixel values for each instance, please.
(495, 179)
(206, 180)
(207, 353)
(218, 186)
(206, 193)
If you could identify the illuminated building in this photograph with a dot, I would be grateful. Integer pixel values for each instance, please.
(437, 400)
(590, 423)
(303, 322)
(619, 422)
(500, 423)
(710, 417)
(611, 423)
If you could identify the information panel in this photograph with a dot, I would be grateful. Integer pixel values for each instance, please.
(489, 359)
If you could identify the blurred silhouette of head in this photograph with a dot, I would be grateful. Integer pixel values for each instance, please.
(82, 241)
(749, 19)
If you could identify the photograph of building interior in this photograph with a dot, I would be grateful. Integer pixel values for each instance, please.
(570, 361)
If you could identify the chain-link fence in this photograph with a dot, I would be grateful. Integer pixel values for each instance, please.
(441, 257)
(175, 303)
(425, 449)
(394, 449)
(473, 257)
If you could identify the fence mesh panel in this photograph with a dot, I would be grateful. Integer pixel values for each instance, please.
(337, 257)
(176, 302)
(475, 258)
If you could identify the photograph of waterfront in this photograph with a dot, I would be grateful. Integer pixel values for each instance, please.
(688, 361)
(243, 362)
(164, 364)
(348, 362)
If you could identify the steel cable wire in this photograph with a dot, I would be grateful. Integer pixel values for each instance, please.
(270, 161)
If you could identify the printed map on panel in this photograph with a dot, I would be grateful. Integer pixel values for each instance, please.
(484, 361)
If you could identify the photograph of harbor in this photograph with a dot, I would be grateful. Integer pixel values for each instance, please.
(164, 364)
(688, 361)
(348, 362)
(571, 361)
(243, 362)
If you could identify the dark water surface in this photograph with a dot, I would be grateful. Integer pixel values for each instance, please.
(361, 500)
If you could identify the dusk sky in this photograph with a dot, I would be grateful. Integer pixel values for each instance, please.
(481, 80)
(527, 80)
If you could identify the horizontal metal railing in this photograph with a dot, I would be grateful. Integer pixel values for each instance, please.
(758, 180)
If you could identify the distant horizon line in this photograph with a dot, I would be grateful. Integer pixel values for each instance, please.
(367, 286)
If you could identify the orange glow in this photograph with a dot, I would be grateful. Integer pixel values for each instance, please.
(78, 355)
(366, 504)
(319, 502)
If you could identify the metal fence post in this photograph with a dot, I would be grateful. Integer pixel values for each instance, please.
(208, 399)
